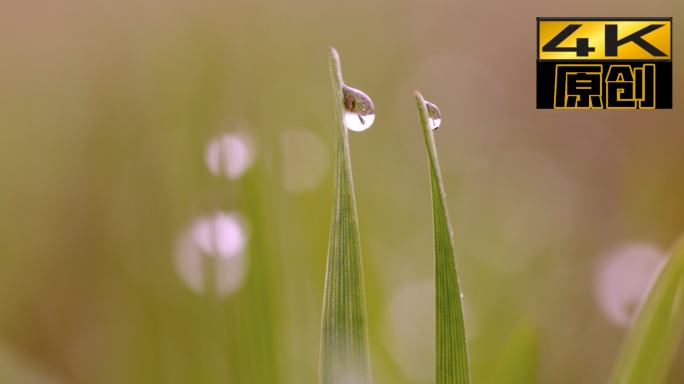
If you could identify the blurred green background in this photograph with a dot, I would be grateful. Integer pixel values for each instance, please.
(166, 193)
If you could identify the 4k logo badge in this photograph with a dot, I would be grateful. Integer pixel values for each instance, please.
(604, 63)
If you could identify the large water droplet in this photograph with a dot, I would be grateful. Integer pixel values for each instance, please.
(434, 116)
(359, 111)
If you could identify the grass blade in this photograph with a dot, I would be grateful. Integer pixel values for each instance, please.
(344, 335)
(451, 351)
(650, 345)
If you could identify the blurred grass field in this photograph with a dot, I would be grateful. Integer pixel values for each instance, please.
(131, 130)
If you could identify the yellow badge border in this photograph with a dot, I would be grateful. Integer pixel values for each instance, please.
(599, 19)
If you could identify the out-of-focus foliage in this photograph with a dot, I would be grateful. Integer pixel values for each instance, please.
(113, 193)
(649, 348)
(518, 362)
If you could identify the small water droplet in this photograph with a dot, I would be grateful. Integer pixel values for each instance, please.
(435, 117)
(461, 295)
(359, 111)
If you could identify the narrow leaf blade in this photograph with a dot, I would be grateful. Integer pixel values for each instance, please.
(451, 351)
(344, 335)
(650, 345)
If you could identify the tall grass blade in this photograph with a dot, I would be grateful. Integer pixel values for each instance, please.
(344, 336)
(650, 345)
(451, 351)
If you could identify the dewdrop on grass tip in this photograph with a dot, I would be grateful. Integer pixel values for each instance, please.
(434, 116)
(359, 112)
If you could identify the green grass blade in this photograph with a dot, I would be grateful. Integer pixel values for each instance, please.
(518, 362)
(344, 335)
(451, 351)
(650, 345)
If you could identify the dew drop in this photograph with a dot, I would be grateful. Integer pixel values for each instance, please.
(435, 117)
(359, 111)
